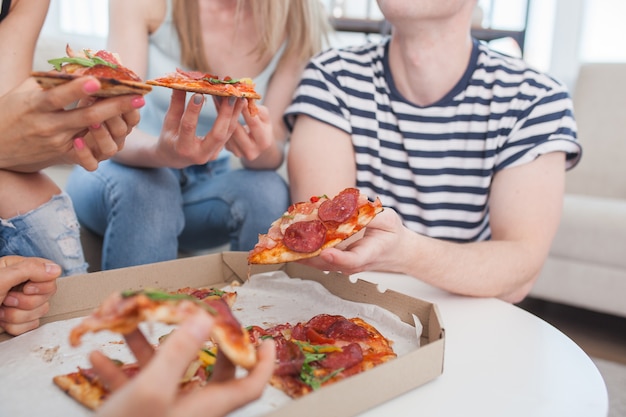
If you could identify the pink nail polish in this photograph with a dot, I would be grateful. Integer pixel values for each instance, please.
(91, 86)
(96, 126)
(138, 102)
(79, 143)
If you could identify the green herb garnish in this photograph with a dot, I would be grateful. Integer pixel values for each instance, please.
(307, 372)
(218, 81)
(88, 61)
(157, 295)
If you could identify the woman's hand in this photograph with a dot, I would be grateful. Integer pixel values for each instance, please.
(155, 390)
(40, 129)
(249, 141)
(179, 146)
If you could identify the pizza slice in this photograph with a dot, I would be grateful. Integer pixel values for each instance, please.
(204, 83)
(324, 350)
(114, 77)
(122, 312)
(306, 228)
(87, 389)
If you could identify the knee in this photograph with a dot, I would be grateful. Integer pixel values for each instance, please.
(273, 192)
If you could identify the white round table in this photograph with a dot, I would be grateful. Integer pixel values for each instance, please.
(499, 360)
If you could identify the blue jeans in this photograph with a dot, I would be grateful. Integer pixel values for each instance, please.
(147, 215)
(50, 231)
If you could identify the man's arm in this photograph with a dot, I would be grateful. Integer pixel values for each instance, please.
(320, 159)
(525, 206)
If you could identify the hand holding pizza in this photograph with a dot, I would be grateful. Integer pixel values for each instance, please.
(103, 140)
(155, 390)
(26, 285)
(39, 132)
(179, 146)
(379, 249)
(249, 141)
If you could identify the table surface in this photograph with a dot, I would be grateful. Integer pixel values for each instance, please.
(499, 360)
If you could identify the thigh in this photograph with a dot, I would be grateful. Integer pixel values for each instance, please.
(115, 192)
(23, 192)
(232, 207)
(50, 231)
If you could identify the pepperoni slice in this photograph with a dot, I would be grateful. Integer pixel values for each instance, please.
(348, 357)
(306, 236)
(340, 208)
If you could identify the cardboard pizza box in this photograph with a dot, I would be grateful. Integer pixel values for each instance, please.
(78, 295)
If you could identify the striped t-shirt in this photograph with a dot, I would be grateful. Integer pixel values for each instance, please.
(434, 165)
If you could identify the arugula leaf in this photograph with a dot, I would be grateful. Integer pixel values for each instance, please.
(307, 372)
(90, 61)
(157, 295)
(218, 81)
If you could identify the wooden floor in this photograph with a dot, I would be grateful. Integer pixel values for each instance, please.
(599, 335)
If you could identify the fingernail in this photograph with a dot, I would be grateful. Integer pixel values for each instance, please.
(54, 268)
(96, 126)
(10, 301)
(198, 99)
(30, 289)
(79, 143)
(231, 101)
(91, 86)
(138, 102)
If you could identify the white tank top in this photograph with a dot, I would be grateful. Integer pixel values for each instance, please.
(164, 58)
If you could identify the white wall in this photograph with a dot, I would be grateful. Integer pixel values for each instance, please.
(560, 35)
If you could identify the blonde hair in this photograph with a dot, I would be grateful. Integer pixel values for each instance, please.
(303, 24)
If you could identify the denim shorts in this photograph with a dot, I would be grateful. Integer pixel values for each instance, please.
(50, 231)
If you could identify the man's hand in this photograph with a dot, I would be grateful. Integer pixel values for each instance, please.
(26, 285)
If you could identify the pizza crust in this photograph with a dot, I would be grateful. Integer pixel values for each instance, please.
(90, 395)
(110, 87)
(190, 87)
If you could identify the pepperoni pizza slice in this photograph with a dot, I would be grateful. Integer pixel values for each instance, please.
(324, 350)
(85, 386)
(306, 228)
(115, 78)
(204, 83)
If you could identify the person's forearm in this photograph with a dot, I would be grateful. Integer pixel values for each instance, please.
(503, 269)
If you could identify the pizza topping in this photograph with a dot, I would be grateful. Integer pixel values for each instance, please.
(336, 327)
(323, 350)
(341, 217)
(340, 208)
(305, 236)
(346, 357)
(89, 61)
(115, 79)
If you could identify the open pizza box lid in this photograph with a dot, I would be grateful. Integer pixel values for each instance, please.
(78, 295)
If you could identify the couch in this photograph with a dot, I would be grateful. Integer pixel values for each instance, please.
(587, 263)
